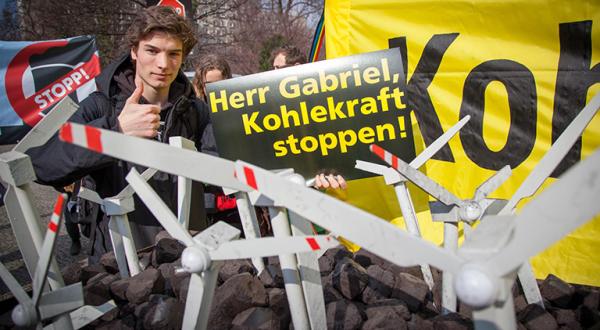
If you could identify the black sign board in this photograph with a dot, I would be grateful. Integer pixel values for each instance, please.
(316, 116)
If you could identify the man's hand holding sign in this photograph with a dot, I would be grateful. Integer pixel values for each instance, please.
(324, 181)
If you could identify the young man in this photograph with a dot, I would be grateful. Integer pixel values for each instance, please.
(287, 56)
(142, 94)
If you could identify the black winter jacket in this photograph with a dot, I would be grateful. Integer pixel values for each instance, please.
(59, 164)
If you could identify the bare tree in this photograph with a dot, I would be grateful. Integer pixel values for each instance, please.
(9, 28)
(214, 8)
(107, 20)
(245, 31)
(256, 27)
(293, 10)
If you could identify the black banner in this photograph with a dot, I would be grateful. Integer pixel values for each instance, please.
(35, 75)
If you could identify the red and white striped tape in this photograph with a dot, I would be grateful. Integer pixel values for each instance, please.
(55, 218)
(250, 179)
(82, 135)
(314, 245)
(385, 155)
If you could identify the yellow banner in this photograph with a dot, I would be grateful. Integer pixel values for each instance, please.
(521, 69)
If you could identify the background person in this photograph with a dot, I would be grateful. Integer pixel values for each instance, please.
(219, 207)
(71, 218)
(210, 68)
(287, 56)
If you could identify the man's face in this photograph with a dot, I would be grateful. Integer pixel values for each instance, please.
(279, 62)
(158, 58)
(212, 76)
(209, 77)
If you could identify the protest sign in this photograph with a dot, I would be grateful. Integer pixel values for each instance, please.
(36, 75)
(521, 69)
(316, 116)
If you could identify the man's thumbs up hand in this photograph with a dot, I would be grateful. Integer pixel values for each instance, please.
(137, 93)
(142, 120)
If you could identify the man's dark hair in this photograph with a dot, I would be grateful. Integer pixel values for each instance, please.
(212, 62)
(161, 19)
(292, 54)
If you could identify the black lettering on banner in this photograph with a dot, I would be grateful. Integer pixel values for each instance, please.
(522, 101)
(418, 98)
(573, 80)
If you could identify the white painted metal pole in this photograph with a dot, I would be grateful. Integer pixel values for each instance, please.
(23, 194)
(410, 219)
(310, 275)
(392, 177)
(122, 222)
(501, 314)
(27, 246)
(117, 244)
(531, 290)
(450, 244)
(199, 298)
(289, 268)
(467, 230)
(249, 224)
(55, 279)
(184, 196)
(184, 185)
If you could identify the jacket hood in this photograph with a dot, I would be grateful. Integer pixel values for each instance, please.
(118, 78)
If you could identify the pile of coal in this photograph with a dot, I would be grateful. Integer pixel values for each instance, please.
(361, 291)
